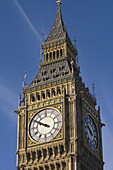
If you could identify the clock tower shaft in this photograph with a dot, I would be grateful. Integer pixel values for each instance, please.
(59, 127)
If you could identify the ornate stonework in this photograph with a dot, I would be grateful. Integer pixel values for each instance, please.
(58, 86)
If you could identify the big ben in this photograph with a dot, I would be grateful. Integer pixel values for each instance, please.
(59, 127)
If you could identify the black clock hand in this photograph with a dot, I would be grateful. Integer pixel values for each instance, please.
(43, 124)
(90, 130)
(46, 125)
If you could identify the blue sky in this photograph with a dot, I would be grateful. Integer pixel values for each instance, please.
(21, 26)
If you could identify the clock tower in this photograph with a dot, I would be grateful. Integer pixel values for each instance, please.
(59, 127)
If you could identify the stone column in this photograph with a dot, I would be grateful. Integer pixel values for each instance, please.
(59, 150)
(53, 149)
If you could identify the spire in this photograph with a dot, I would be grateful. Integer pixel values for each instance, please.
(58, 30)
(59, 6)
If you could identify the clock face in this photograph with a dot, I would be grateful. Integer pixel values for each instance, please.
(91, 131)
(45, 125)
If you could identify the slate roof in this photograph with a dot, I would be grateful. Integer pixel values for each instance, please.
(58, 29)
(53, 71)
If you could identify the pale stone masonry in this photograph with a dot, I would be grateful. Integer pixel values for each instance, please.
(59, 127)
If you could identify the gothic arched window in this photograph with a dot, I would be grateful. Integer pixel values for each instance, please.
(33, 98)
(43, 95)
(48, 94)
(47, 57)
(53, 54)
(58, 91)
(50, 56)
(60, 52)
(53, 92)
(57, 53)
(38, 96)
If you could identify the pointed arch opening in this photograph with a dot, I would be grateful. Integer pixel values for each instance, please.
(48, 94)
(38, 96)
(58, 91)
(32, 98)
(53, 92)
(53, 55)
(50, 56)
(43, 95)
(57, 53)
(47, 57)
(60, 52)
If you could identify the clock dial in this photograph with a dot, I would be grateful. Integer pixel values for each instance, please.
(91, 131)
(45, 125)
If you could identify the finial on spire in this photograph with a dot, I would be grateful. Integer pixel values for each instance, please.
(20, 99)
(59, 2)
(41, 52)
(25, 76)
(40, 55)
(93, 87)
(75, 40)
(98, 109)
(43, 35)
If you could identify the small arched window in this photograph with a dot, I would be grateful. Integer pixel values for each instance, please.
(58, 91)
(47, 57)
(42, 72)
(38, 96)
(53, 92)
(38, 81)
(50, 56)
(63, 73)
(60, 68)
(53, 55)
(33, 98)
(48, 94)
(64, 88)
(60, 52)
(57, 53)
(43, 95)
(44, 78)
(51, 70)
(54, 76)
